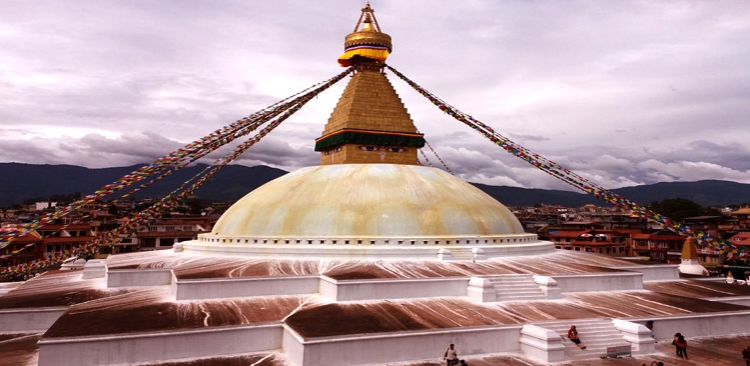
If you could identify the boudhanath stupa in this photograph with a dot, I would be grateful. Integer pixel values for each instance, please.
(367, 259)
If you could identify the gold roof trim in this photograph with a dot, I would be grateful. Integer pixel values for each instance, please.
(369, 33)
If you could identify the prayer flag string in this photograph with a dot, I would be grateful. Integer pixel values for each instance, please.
(701, 238)
(160, 168)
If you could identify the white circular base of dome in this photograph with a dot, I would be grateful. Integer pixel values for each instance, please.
(368, 211)
(402, 248)
(693, 267)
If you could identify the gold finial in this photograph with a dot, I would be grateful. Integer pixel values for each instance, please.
(689, 250)
(369, 14)
(366, 42)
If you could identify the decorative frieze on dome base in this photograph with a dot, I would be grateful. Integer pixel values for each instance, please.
(456, 248)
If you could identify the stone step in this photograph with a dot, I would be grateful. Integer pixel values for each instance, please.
(516, 285)
(517, 288)
(596, 335)
(519, 293)
(462, 254)
(522, 298)
(511, 279)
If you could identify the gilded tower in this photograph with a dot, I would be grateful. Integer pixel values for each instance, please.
(370, 124)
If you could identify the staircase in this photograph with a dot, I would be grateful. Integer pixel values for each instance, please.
(517, 288)
(595, 334)
(461, 254)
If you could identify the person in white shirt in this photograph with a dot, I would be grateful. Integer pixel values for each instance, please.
(451, 356)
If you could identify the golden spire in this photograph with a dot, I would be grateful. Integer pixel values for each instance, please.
(689, 250)
(366, 42)
(370, 124)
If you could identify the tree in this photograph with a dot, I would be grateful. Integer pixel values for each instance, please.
(679, 208)
(196, 205)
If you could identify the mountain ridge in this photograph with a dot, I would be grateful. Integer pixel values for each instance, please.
(19, 181)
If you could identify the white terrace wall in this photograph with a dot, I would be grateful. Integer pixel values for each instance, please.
(357, 290)
(402, 346)
(700, 325)
(615, 281)
(657, 272)
(213, 288)
(138, 277)
(29, 320)
(736, 300)
(141, 348)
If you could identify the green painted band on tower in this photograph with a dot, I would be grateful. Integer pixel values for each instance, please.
(368, 139)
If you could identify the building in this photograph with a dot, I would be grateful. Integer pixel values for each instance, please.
(164, 234)
(608, 242)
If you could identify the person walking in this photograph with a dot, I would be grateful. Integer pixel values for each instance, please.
(746, 355)
(451, 356)
(674, 343)
(573, 336)
(650, 326)
(680, 345)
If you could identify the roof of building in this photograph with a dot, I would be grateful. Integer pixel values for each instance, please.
(59, 227)
(68, 239)
(567, 233)
(168, 234)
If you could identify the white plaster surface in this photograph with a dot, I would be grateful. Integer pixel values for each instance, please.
(402, 346)
(392, 250)
(623, 281)
(215, 288)
(541, 344)
(359, 200)
(29, 320)
(737, 300)
(636, 334)
(658, 272)
(94, 268)
(137, 348)
(138, 277)
(379, 289)
(699, 325)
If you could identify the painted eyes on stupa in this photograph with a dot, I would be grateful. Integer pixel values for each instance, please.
(388, 149)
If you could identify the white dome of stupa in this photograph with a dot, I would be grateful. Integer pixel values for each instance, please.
(368, 210)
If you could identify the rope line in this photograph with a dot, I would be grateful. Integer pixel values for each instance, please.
(161, 168)
(550, 167)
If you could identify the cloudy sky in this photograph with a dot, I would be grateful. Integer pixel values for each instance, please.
(622, 92)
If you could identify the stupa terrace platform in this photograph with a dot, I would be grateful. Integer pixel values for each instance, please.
(199, 305)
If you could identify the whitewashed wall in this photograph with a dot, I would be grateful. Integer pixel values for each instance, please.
(138, 277)
(355, 290)
(402, 346)
(29, 320)
(213, 288)
(186, 343)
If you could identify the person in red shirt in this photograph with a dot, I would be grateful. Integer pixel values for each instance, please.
(573, 336)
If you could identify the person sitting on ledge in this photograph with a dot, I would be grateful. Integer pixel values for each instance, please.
(573, 336)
